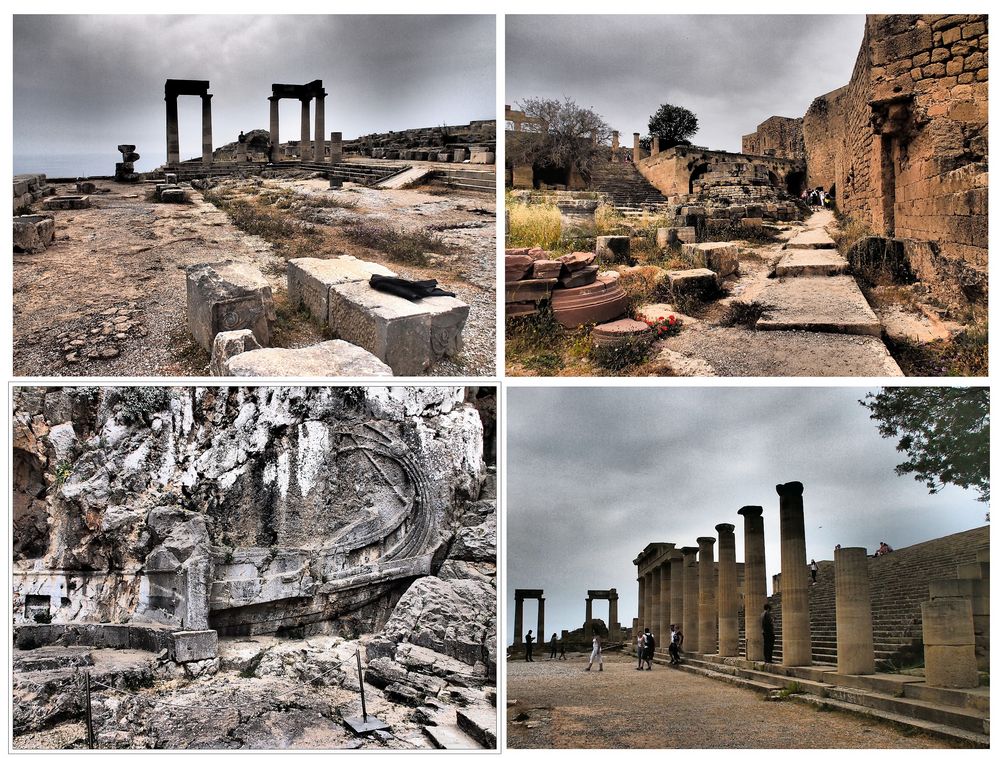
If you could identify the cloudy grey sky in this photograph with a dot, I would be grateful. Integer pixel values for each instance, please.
(732, 71)
(596, 474)
(87, 83)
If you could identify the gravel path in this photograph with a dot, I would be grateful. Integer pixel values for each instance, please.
(559, 705)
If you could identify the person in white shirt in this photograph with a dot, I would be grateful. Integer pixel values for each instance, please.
(595, 655)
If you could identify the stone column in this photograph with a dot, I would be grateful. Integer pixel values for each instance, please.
(613, 616)
(655, 146)
(949, 642)
(665, 582)
(754, 579)
(855, 642)
(636, 152)
(518, 619)
(708, 638)
(654, 606)
(274, 156)
(796, 645)
(206, 129)
(590, 614)
(541, 620)
(729, 622)
(320, 130)
(241, 152)
(614, 142)
(336, 147)
(648, 621)
(173, 138)
(677, 588)
(304, 139)
(690, 625)
(642, 602)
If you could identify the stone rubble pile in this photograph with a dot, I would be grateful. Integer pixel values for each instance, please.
(33, 233)
(29, 188)
(125, 169)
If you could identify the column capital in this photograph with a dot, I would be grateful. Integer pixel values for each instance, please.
(725, 528)
(789, 488)
(705, 541)
(750, 510)
(273, 98)
(206, 96)
(689, 550)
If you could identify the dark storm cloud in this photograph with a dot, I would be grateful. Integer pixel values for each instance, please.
(732, 71)
(596, 474)
(86, 83)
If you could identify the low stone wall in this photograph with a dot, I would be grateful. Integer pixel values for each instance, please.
(182, 646)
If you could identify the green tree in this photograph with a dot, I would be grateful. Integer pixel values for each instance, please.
(562, 135)
(673, 124)
(944, 432)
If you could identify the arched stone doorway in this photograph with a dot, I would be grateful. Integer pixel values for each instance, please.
(699, 171)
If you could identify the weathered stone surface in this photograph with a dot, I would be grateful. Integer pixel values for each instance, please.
(546, 269)
(811, 238)
(811, 262)
(408, 336)
(614, 332)
(310, 279)
(66, 202)
(721, 257)
(86, 188)
(533, 290)
(230, 344)
(819, 304)
(674, 235)
(579, 278)
(228, 296)
(604, 300)
(32, 234)
(516, 267)
(195, 646)
(612, 249)
(483, 157)
(701, 283)
(656, 311)
(329, 358)
(576, 261)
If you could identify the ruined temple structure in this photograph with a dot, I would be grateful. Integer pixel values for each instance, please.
(189, 519)
(903, 145)
(580, 639)
(838, 640)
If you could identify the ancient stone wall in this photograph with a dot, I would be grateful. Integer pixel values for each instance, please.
(239, 509)
(478, 133)
(779, 136)
(905, 142)
(675, 171)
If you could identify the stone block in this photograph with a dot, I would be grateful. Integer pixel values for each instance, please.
(532, 290)
(579, 278)
(701, 283)
(326, 359)
(721, 257)
(611, 249)
(546, 269)
(66, 202)
(947, 621)
(752, 222)
(444, 157)
(484, 157)
(604, 300)
(310, 279)
(195, 646)
(576, 218)
(227, 345)
(673, 235)
(576, 261)
(448, 317)
(613, 332)
(27, 183)
(228, 296)
(32, 234)
(460, 154)
(86, 188)
(336, 182)
(516, 267)
(173, 195)
(951, 666)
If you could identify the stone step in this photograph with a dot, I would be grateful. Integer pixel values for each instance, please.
(412, 175)
(480, 724)
(949, 715)
(828, 304)
(761, 687)
(973, 739)
(811, 239)
(449, 737)
(811, 262)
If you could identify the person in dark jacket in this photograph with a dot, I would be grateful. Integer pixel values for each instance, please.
(767, 627)
(528, 642)
(553, 642)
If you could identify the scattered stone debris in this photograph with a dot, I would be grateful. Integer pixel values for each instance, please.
(33, 233)
(125, 169)
(102, 335)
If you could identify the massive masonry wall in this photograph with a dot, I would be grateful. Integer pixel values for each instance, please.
(905, 142)
(673, 171)
(779, 136)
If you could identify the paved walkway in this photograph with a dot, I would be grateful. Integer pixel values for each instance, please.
(559, 705)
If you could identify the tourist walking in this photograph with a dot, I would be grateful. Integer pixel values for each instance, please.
(528, 641)
(813, 568)
(648, 646)
(552, 646)
(767, 628)
(562, 650)
(675, 645)
(595, 655)
(639, 650)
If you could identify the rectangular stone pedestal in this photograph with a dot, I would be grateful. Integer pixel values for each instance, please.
(310, 279)
(227, 296)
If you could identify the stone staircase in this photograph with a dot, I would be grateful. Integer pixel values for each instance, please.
(627, 189)
(467, 180)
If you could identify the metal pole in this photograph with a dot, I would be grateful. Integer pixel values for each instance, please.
(90, 719)
(361, 684)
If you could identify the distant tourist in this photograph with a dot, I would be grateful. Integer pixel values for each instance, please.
(767, 628)
(639, 648)
(552, 646)
(528, 641)
(836, 547)
(883, 549)
(648, 646)
(675, 645)
(595, 655)
(562, 650)
(813, 568)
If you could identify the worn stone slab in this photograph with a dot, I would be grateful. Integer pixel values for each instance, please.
(228, 345)
(516, 267)
(721, 257)
(611, 248)
(34, 233)
(86, 188)
(195, 645)
(604, 300)
(702, 283)
(811, 239)
(408, 336)
(579, 278)
(818, 304)
(330, 358)
(656, 311)
(25, 183)
(480, 724)
(673, 235)
(66, 202)
(310, 279)
(546, 269)
(612, 332)
(532, 290)
(576, 261)
(484, 157)
(227, 296)
(811, 262)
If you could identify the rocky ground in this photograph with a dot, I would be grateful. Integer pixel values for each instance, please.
(108, 296)
(556, 704)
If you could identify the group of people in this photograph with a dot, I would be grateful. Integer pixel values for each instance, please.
(883, 549)
(817, 196)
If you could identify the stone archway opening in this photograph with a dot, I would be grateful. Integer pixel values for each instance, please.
(773, 179)
(699, 171)
(795, 182)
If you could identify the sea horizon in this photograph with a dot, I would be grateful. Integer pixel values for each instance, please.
(76, 165)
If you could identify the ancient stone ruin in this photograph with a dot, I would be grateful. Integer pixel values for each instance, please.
(125, 169)
(216, 559)
(840, 640)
